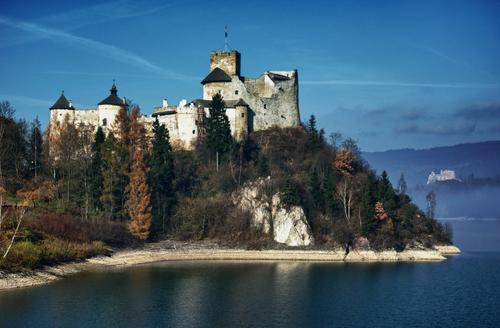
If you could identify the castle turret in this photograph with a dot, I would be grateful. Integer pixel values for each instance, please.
(241, 120)
(62, 108)
(228, 61)
(109, 108)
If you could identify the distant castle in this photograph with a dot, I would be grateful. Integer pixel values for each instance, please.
(444, 175)
(251, 104)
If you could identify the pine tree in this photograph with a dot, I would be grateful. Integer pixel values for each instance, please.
(35, 149)
(402, 187)
(386, 192)
(329, 186)
(262, 166)
(290, 193)
(315, 190)
(138, 202)
(219, 138)
(161, 177)
(111, 192)
(96, 168)
(312, 133)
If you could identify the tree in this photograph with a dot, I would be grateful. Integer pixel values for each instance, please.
(96, 168)
(431, 204)
(330, 187)
(386, 192)
(290, 193)
(402, 187)
(219, 138)
(262, 166)
(112, 192)
(312, 134)
(161, 177)
(138, 202)
(315, 190)
(35, 148)
(344, 162)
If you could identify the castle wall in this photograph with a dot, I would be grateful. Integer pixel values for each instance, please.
(87, 116)
(107, 115)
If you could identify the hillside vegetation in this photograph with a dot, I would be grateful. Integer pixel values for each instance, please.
(87, 191)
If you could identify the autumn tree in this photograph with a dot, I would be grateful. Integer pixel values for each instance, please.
(138, 202)
(345, 189)
(161, 178)
(219, 139)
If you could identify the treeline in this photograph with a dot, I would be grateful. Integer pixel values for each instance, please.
(136, 179)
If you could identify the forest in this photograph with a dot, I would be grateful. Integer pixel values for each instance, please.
(72, 192)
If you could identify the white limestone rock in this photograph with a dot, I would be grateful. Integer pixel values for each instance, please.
(252, 198)
(290, 226)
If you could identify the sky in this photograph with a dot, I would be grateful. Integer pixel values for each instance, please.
(390, 74)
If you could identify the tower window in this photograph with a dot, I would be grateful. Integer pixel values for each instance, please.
(104, 122)
(194, 131)
(235, 92)
(265, 106)
(242, 114)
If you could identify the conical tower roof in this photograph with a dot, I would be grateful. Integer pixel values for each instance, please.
(62, 103)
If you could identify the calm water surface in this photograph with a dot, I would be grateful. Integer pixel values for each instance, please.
(463, 291)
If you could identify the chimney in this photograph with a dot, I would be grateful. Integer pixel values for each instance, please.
(165, 102)
(71, 104)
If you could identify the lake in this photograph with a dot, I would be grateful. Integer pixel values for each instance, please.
(462, 291)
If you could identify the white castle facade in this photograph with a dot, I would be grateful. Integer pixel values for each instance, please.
(444, 175)
(251, 104)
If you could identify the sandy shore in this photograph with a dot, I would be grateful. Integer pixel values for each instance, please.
(207, 251)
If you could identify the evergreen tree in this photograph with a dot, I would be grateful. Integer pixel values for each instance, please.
(138, 202)
(312, 133)
(161, 177)
(315, 190)
(290, 193)
(111, 191)
(386, 193)
(219, 138)
(96, 168)
(402, 187)
(431, 204)
(329, 186)
(367, 204)
(35, 148)
(262, 166)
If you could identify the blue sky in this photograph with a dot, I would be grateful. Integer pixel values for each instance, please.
(390, 74)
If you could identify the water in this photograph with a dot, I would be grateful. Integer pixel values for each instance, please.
(460, 292)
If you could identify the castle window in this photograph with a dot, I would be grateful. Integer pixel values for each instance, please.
(242, 114)
(104, 122)
(194, 131)
(235, 92)
(265, 106)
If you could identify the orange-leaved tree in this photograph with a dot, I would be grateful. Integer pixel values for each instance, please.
(138, 203)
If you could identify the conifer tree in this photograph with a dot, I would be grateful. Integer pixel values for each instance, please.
(35, 148)
(262, 166)
(111, 192)
(138, 202)
(402, 187)
(329, 186)
(312, 133)
(386, 192)
(161, 177)
(315, 189)
(219, 138)
(290, 193)
(96, 167)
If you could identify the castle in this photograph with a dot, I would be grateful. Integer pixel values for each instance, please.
(444, 175)
(251, 104)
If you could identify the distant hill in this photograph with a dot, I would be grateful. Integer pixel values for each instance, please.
(472, 198)
(481, 159)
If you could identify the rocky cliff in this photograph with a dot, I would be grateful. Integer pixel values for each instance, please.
(288, 225)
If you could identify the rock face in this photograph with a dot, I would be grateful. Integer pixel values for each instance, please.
(289, 225)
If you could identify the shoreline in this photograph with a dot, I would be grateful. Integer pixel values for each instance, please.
(173, 251)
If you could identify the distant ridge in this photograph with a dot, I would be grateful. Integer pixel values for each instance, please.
(481, 159)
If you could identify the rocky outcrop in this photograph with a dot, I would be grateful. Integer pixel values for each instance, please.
(289, 225)
(252, 198)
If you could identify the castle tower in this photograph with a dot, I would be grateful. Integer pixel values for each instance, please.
(241, 120)
(62, 108)
(109, 108)
(228, 61)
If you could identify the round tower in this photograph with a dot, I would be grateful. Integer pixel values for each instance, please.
(241, 120)
(109, 108)
(61, 109)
